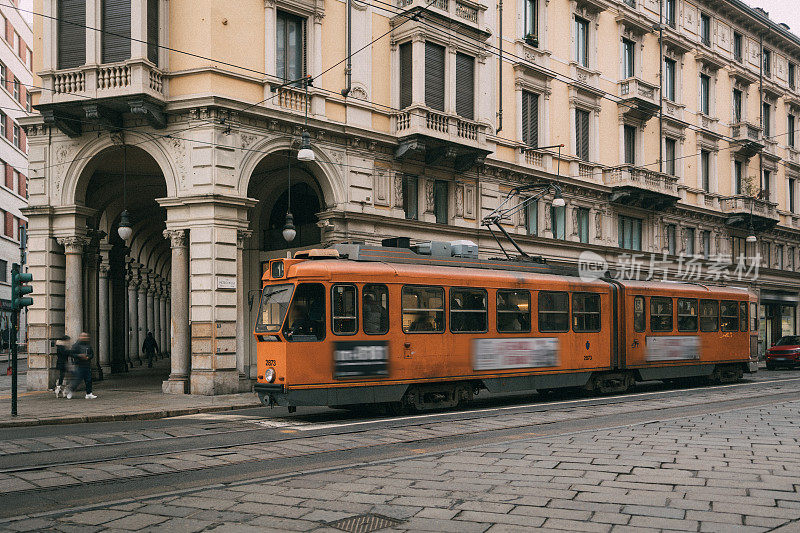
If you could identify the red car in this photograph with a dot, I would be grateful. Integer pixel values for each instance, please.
(785, 352)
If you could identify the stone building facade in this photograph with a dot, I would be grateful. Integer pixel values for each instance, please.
(674, 126)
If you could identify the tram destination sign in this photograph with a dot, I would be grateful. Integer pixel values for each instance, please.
(355, 359)
(673, 348)
(500, 354)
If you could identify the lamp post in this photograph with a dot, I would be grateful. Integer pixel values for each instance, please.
(125, 231)
(305, 153)
(289, 231)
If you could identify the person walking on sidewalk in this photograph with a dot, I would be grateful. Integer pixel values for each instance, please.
(150, 348)
(82, 355)
(63, 350)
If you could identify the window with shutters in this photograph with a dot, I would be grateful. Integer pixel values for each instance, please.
(630, 144)
(152, 31)
(670, 153)
(116, 36)
(290, 51)
(410, 197)
(406, 75)
(71, 31)
(440, 201)
(530, 118)
(582, 134)
(434, 76)
(465, 86)
(670, 78)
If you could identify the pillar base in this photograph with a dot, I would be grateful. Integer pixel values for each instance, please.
(175, 385)
(106, 370)
(245, 383)
(40, 378)
(214, 382)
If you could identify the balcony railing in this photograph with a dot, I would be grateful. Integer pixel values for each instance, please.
(638, 97)
(420, 120)
(749, 137)
(641, 178)
(290, 98)
(459, 10)
(135, 77)
(745, 205)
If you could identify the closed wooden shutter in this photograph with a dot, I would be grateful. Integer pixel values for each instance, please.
(23, 140)
(9, 177)
(152, 31)
(582, 134)
(465, 86)
(9, 225)
(434, 76)
(530, 118)
(406, 75)
(116, 30)
(71, 33)
(23, 186)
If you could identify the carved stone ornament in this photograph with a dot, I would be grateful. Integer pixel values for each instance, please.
(247, 140)
(547, 221)
(73, 244)
(241, 236)
(178, 238)
(574, 221)
(429, 196)
(598, 225)
(460, 200)
(398, 190)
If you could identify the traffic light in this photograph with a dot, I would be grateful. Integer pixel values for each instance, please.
(18, 290)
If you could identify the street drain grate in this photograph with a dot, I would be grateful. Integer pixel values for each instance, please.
(364, 523)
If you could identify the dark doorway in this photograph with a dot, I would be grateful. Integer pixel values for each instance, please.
(305, 206)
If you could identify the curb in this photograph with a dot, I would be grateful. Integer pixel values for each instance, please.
(149, 415)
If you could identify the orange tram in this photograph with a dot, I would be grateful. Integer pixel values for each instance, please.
(428, 327)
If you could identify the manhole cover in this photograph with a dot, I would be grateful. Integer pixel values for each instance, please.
(364, 523)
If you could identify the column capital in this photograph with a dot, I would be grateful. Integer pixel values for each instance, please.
(104, 266)
(73, 244)
(178, 238)
(241, 236)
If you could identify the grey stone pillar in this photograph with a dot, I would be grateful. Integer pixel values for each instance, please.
(104, 315)
(73, 285)
(142, 312)
(180, 349)
(242, 363)
(157, 313)
(151, 315)
(163, 339)
(133, 319)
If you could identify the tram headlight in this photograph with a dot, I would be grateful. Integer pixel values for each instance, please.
(269, 375)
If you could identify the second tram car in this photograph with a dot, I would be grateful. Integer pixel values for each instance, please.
(428, 328)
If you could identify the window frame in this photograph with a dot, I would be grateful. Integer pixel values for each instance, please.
(582, 38)
(715, 303)
(705, 28)
(670, 167)
(791, 124)
(443, 310)
(696, 315)
(334, 286)
(410, 182)
(738, 47)
(628, 58)
(643, 312)
(441, 205)
(635, 225)
(498, 311)
(629, 135)
(705, 94)
(671, 314)
(531, 19)
(364, 291)
(485, 310)
(670, 79)
(582, 219)
(737, 101)
(303, 52)
(590, 296)
(540, 313)
(744, 319)
(324, 314)
(735, 305)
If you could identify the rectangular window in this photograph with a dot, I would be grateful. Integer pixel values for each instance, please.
(290, 53)
(630, 144)
(705, 29)
(690, 236)
(737, 47)
(709, 315)
(583, 224)
(531, 20)
(742, 316)
(753, 316)
(375, 309)
(344, 310)
(630, 233)
(406, 75)
(790, 130)
(669, 79)
(660, 314)
(72, 33)
(558, 216)
(737, 105)
(791, 195)
(440, 200)
(513, 311)
(116, 36)
(738, 176)
(766, 185)
(791, 75)
(631, 3)
(3, 124)
(766, 116)
(17, 136)
(410, 197)
(423, 309)
(670, 12)
(16, 87)
(530, 118)
(582, 42)
(9, 229)
(553, 311)
(3, 271)
(306, 317)
(3, 74)
(469, 312)
(779, 256)
(434, 76)
(532, 217)
(628, 58)
(670, 149)
(687, 314)
(465, 83)
(705, 170)
(585, 312)
(28, 101)
(582, 134)
(790, 255)
(705, 94)
(672, 242)
(152, 31)
(767, 63)
(706, 236)
(639, 316)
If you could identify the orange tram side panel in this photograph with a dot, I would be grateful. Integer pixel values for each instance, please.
(346, 332)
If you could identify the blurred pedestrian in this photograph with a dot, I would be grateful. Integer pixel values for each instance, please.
(150, 348)
(82, 355)
(63, 351)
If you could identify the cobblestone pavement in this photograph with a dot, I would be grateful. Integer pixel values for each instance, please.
(737, 470)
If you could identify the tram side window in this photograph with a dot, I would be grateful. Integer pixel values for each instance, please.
(375, 309)
(585, 312)
(687, 314)
(274, 303)
(709, 315)
(306, 320)
(344, 309)
(553, 311)
(423, 309)
(743, 316)
(513, 311)
(660, 314)
(639, 316)
(753, 316)
(468, 310)
(729, 316)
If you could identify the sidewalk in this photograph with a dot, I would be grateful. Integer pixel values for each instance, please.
(135, 395)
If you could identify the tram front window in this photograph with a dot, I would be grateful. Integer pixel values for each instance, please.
(306, 318)
(274, 303)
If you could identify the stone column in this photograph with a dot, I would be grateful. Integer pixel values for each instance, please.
(151, 316)
(163, 317)
(157, 313)
(133, 318)
(242, 363)
(104, 315)
(73, 285)
(179, 346)
(142, 312)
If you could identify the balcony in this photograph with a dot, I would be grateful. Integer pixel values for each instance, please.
(748, 137)
(638, 99)
(740, 209)
(793, 156)
(466, 12)
(641, 187)
(102, 93)
(437, 136)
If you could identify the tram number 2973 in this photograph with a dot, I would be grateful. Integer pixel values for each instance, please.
(270, 362)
